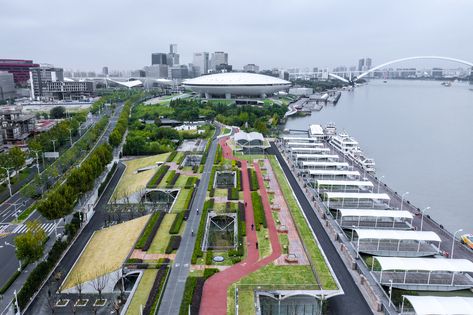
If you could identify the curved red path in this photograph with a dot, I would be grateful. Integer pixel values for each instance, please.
(214, 296)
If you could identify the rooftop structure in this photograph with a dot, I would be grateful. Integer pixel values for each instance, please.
(324, 165)
(15, 126)
(342, 184)
(304, 144)
(308, 157)
(425, 273)
(334, 173)
(316, 131)
(19, 68)
(439, 305)
(397, 243)
(249, 143)
(351, 198)
(371, 218)
(236, 84)
(308, 150)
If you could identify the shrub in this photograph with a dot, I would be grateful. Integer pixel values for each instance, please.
(189, 198)
(152, 226)
(158, 176)
(253, 179)
(171, 156)
(209, 272)
(212, 193)
(172, 178)
(258, 210)
(236, 260)
(218, 155)
(197, 296)
(195, 169)
(211, 179)
(239, 183)
(173, 244)
(181, 158)
(233, 194)
(134, 261)
(209, 258)
(9, 282)
(156, 290)
(176, 224)
(191, 282)
(191, 181)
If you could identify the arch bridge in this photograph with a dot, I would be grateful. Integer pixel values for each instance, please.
(354, 79)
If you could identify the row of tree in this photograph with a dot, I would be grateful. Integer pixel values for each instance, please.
(61, 199)
(116, 136)
(13, 159)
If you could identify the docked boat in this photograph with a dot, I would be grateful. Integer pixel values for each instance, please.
(343, 142)
(330, 130)
(360, 158)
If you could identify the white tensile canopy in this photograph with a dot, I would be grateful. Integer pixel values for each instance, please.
(357, 183)
(295, 139)
(325, 164)
(315, 156)
(305, 144)
(314, 149)
(401, 214)
(397, 235)
(425, 264)
(348, 195)
(440, 305)
(334, 173)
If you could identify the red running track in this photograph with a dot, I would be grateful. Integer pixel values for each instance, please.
(214, 295)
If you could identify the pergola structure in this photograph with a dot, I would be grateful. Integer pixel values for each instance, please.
(397, 243)
(334, 174)
(424, 274)
(304, 144)
(308, 150)
(324, 165)
(373, 218)
(355, 199)
(438, 305)
(342, 185)
(300, 139)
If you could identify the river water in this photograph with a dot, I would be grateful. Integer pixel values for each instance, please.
(421, 137)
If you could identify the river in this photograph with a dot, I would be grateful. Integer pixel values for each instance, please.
(420, 134)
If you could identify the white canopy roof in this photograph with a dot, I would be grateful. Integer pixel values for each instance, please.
(305, 144)
(375, 213)
(441, 305)
(248, 136)
(334, 172)
(322, 164)
(348, 195)
(317, 156)
(306, 139)
(358, 183)
(316, 130)
(397, 235)
(318, 149)
(425, 264)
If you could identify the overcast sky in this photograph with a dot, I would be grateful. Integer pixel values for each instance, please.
(89, 34)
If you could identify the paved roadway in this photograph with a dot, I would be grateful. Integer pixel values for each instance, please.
(352, 302)
(171, 301)
(40, 304)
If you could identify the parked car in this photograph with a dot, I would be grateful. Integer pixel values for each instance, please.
(467, 239)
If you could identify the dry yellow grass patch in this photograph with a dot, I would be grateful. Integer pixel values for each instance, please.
(107, 250)
(132, 182)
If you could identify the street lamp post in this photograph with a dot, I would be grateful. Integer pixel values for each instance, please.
(16, 303)
(54, 144)
(422, 218)
(390, 291)
(19, 261)
(70, 135)
(402, 198)
(37, 159)
(453, 242)
(8, 178)
(379, 182)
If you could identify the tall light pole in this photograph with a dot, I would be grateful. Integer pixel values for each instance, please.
(70, 135)
(453, 242)
(54, 144)
(422, 218)
(379, 182)
(8, 178)
(402, 198)
(390, 291)
(19, 261)
(37, 159)
(16, 303)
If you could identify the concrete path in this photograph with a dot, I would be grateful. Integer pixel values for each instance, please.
(171, 301)
(214, 296)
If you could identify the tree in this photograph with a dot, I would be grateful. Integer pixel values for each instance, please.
(100, 281)
(78, 281)
(16, 158)
(57, 112)
(30, 245)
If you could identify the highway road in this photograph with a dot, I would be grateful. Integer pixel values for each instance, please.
(352, 302)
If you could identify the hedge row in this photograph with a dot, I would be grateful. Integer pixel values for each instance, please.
(116, 136)
(253, 179)
(200, 233)
(177, 223)
(107, 179)
(241, 221)
(193, 292)
(218, 155)
(156, 290)
(211, 179)
(38, 275)
(171, 156)
(190, 183)
(172, 179)
(239, 183)
(158, 176)
(233, 194)
(189, 198)
(146, 238)
(173, 244)
(209, 257)
(258, 210)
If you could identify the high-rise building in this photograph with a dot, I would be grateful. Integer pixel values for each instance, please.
(172, 56)
(361, 64)
(218, 58)
(368, 63)
(251, 67)
(201, 63)
(173, 48)
(19, 68)
(105, 71)
(159, 71)
(7, 85)
(179, 72)
(159, 59)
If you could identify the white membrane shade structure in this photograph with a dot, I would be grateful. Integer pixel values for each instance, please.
(399, 214)
(343, 183)
(373, 218)
(440, 305)
(324, 164)
(301, 139)
(397, 235)
(307, 150)
(333, 173)
(304, 144)
(315, 156)
(425, 264)
(358, 197)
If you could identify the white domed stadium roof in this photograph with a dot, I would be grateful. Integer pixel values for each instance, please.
(236, 83)
(236, 78)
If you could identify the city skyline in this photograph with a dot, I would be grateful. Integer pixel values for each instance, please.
(123, 36)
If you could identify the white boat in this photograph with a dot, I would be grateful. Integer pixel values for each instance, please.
(360, 158)
(330, 129)
(343, 142)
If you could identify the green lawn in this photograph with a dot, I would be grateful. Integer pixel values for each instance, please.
(182, 180)
(220, 192)
(161, 240)
(316, 257)
(178, 205)
(264, 244)
(141, 294)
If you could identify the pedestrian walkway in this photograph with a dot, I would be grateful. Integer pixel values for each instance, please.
(214, 296)
(137, 253)
(23, 228)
